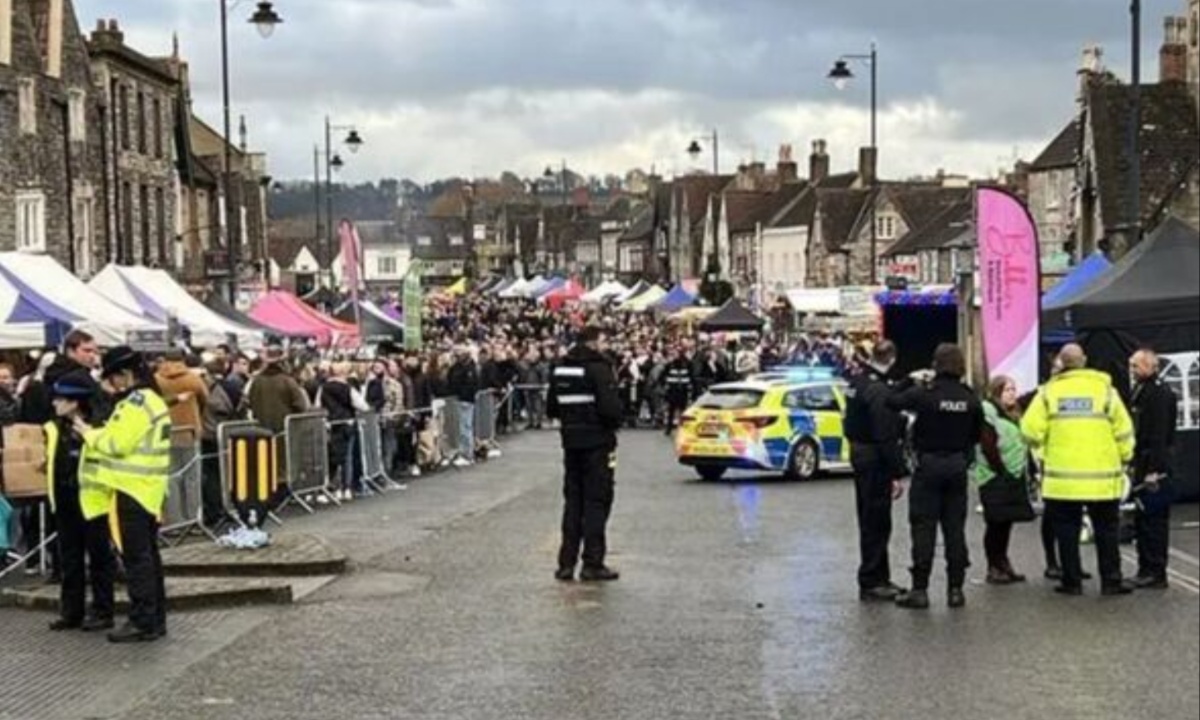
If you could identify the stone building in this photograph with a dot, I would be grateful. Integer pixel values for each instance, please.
(51, 188)
(140, 169)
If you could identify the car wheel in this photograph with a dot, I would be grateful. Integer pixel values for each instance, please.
(711, 474)
(804, 462)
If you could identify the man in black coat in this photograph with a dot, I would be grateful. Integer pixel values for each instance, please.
(584, 398)
(1155, 416)
(876, 436)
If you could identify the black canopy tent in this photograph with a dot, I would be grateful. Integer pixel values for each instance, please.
(732, 317)
(1150, 298)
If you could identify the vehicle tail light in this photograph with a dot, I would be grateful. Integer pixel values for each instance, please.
(757, 422)
(687, 419)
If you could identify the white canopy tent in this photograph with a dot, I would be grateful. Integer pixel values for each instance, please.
(605, 291)
(515, 290)
(155, 294)
(62, 297)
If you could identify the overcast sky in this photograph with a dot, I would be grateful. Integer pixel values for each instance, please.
(473, 87)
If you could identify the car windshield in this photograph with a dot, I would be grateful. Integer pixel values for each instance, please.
(731, 399)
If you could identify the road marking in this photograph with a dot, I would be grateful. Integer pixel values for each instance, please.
(1190, 526)
(1184, 557)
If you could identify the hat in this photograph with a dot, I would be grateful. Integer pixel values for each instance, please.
(74, 385)
(119, 359)
(274, 354)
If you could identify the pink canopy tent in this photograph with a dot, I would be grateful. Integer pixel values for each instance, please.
(570, 292)
(289, 315)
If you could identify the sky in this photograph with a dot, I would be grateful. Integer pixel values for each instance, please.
(442, 88)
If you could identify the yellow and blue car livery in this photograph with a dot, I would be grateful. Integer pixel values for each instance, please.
(788, 421)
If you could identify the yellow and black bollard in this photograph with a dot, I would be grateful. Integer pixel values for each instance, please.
(253, 474)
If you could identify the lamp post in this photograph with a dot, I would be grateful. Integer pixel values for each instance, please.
(334, 163)
(558, 243)
(264, 20)
(841, 75)
(695, 149)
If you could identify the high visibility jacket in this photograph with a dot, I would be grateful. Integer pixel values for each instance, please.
(94, 499)
(1085, 436)
(133, 450)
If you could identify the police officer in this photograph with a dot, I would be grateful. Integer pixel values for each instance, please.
(949, 424)
(1155, 416)
(1085, 435)
(584, 399)
(678, 379)
(84, 545)
(132, 454)
(875, 433)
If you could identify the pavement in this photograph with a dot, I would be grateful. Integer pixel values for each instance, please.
(737, 601)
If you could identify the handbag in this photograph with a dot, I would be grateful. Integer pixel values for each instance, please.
(1006, 499)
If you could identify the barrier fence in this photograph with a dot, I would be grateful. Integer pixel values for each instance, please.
(301, 462)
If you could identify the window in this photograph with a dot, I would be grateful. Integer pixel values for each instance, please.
(885, 227)
(818, 398)
(144, 225)
(141, 123)
(456, 267)
(1181, 373)
(456, 240)
(123, 116)
(386, 265)
(125, 245)
(424, 240)
(84, 219)
(27, 105)
(77, 115)
(31, 221)
(160, 218)
(158, 129)
(731, 399)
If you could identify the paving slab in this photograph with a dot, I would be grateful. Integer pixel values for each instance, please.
(184, 594)
(290, 554)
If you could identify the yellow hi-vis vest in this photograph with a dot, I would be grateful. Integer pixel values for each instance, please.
(94, 498)
(1084, 434)
(132, 451)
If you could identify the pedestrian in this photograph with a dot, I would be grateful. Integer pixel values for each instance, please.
(947, 429)
(184, 390)
(338, 399)
(80, 508)
(219, 409)
(534, 376)
(1085, 435)
(876, 435)
(462, 383)
(680, 386)
(584, 398)
(1001, 473)
(271, 397)
(132, 452)
(1155, 417)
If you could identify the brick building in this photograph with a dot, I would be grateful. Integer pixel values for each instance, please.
(51, 125)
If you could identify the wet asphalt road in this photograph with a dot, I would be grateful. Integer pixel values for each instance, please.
(738, 601)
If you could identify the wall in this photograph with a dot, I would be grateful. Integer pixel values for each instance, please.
(785, 258)
(1051, 204)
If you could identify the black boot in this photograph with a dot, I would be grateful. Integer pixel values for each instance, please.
(1122, 588)
(564, 574)
(599, 574)
(130, 633)
(1152, 582)
(914, 600)
(63, 624)
(956, 598)
(883, 593)
(96, 624)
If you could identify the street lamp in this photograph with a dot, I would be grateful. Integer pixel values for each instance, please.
(841, 75)
(265, 19)
(334, 163)
(696, 149)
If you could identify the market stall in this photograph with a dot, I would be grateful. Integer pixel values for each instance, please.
(733, 316)
(287, 314)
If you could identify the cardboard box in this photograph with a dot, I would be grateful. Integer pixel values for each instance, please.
(25, 461)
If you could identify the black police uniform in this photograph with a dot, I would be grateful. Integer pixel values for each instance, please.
(875, 433)
(948, 427)
(678, 379)
(583, 397)
(1154, 409)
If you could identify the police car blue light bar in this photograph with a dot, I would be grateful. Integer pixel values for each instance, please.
(799, 373)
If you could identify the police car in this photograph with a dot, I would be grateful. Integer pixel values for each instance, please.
(787, 421)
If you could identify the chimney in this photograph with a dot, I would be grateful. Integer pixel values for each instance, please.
(787, 170)
(868, 161)
(818, 162)
(108, 31)
(1091, 66)
(1172, 58)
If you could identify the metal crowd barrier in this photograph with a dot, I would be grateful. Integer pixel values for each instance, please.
(370, 445)
(183, 509)
(306, 457)
(485, 419)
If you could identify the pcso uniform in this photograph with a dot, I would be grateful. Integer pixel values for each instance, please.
(80, 506)
(678, 379)
(949, 424)
(583, 397)
(875, 433)
(1085, 436)
(132, 457)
